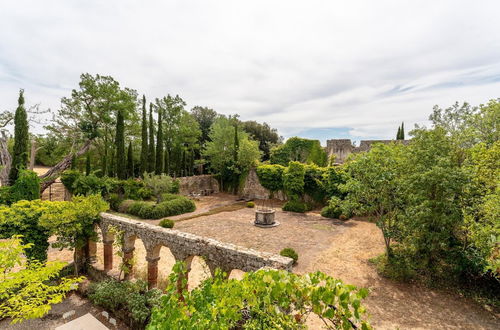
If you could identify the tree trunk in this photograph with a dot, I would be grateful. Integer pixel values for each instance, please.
(5, 160)
(52, 174)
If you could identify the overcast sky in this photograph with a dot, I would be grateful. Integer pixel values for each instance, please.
(318, 69)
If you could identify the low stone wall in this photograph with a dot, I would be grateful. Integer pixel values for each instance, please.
(198, 184)
(183, 246)
(254, 190)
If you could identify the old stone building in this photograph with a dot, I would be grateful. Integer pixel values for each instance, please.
(342, 148)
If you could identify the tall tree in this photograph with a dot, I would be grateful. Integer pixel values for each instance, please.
(144, 138)
(88, 164)
(121, 171)
(205, 118)
(159, 144)
(151, 152)
(398, 135)
(402, 137)
(130, 161)
(236, 143)
(268, 137)
(21, 140)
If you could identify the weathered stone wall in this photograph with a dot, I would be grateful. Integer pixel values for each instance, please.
(342, 148)
(254, 190)
(198, 184)
(184, 246)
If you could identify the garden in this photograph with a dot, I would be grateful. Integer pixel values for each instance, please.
(396, 224)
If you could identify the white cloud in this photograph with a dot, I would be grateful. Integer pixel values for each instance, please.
(364, 65)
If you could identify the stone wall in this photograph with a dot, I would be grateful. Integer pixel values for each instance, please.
(342, 148)
(183, 246)
(252, 188)
(198, 184)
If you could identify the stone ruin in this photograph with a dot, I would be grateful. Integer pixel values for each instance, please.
(342, 148)
(183, 246)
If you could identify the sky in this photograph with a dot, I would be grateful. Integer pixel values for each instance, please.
(316, 69)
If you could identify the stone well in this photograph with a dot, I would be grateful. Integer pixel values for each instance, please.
(265, 218)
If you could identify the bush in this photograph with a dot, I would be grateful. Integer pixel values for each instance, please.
(250, 204)
(271, 177)
(265, 299)
(168, 197)
(68, 178)
(293, 180)
(295, 206)
(290, 253)
(125, 205)
(167, 223)
(114, 201)
(86, 185)
(22, 218)
(149, 210)
(5, 197)
(336, 209)
(144, 193)
(131, 299)
(299, 149)
(26, 187)
(158, 184)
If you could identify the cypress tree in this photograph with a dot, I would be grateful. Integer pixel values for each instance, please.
(120, 146)
(236, 144)
(87, 164)
(398, 135)
(111, 166)
(144, 138)
(159, 145)
(130, 161)
(21, 140)
(402, 131)
(151, 153)
(166, 164)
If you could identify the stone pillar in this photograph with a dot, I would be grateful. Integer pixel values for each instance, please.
(108, 255)
(92, 250)
(128, 255)
(152, 272)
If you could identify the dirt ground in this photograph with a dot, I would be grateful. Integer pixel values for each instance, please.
(340, 249)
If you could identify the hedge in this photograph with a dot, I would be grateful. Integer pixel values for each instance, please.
(150, 210)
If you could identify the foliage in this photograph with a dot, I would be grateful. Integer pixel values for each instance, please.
(159, 143)
(22, 218)
(73, 222)
(334, 178)
(158, 184)
(295, 206)
(29, 292)
(265, 299)
(301, 150)
(132, 298)
(121, 170)
(271, 177)
(375, 188)
(268, 137)
(205, 118)
(167, 223)
(114, 201)
(251, 205)
(148, 210)
(144, 138)
(333, 209)
(220, 151)
(26, 187)
(314, 183)
(151, 150)
(130, 161)
(68, 179)
(290, 253)
(21, 140)
(293, 180)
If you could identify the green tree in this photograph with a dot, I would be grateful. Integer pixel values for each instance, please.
(300, 150)
(130, 161)
(144, 138)
(205, 118)
(268, 137)
(29, 291)
(121, 171)
(88, 164)
(402, 137)
(159, 144)
(21, 140)
(151, 152)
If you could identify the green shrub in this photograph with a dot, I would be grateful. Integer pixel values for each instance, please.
(169, 197)
(299, 149)
(271, 177)
(130, 298)
(114, 201)
(68, 179)
(144, 193)
(167, 223)
(250, 204)
(176, 185)
(86, 185)
(290, 253)
(314, 185)
(22, 218)
(295, 206)
(26, 187)
(265, 299)
(335, 209)
(5, 196)
(125, 205)
(149, 210)
(158, 184)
